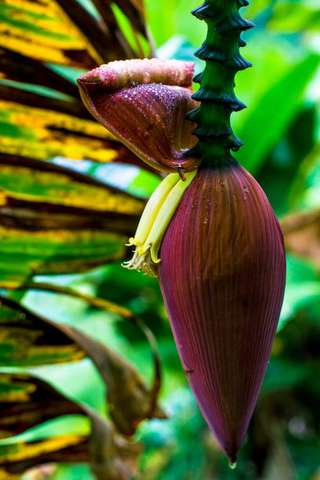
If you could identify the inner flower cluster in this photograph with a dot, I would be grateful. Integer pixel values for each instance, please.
(154, 223)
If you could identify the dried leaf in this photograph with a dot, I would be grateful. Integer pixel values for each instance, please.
(29, 340)
(27, 401)
(111, 456)
(100, 37)
(134, 13)
(18, 67)
(130, 402)
(302, 234)
(129, 399)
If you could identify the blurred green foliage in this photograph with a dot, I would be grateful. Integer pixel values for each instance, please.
(281, 132)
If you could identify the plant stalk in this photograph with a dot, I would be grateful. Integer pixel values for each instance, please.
(221, 53)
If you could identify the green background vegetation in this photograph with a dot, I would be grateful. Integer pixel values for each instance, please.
(281, 132)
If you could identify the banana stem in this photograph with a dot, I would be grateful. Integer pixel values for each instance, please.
(223, 60)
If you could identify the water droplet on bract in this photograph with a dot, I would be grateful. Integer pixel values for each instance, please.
(233, 465)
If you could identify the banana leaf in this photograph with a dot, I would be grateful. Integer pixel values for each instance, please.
(44, 46)
(54, 220)
(29, 339)
(25, 404)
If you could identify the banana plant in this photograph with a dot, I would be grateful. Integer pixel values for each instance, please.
(55, 220)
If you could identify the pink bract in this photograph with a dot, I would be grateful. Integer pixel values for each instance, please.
(222, 276)
(144, 104)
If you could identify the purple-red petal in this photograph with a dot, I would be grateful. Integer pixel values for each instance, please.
(144, 104)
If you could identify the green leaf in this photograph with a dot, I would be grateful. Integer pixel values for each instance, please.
(26, 180)
(55, 251)
(178, 20)
(42, 31)
(58, 128)
(302, 289)
(76, 472)
(295, 17)
(266, 123)
(143, 184)
(304, 192)
(283, 375)
(64, 32)
(35, 38)
(55, 220)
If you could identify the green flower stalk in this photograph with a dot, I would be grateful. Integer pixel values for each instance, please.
(221, 52)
